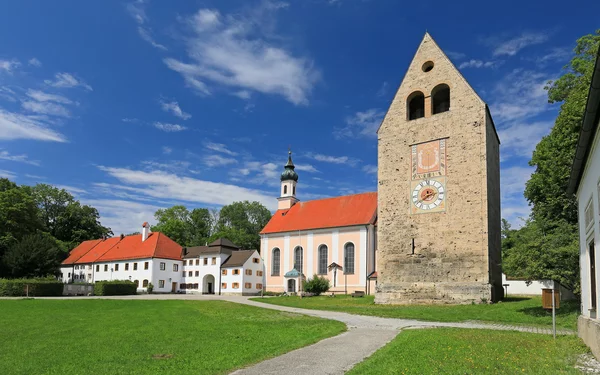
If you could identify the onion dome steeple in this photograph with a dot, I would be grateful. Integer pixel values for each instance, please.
(289, 173)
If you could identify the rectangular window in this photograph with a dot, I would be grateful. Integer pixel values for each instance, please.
(249, 272)
(214, 260)
(76, 267)
(181, 286)
(69, 274)
(258, 286)
(259, 273)
(117, 267)
(589, 216)
(197, 273)
(592, 254)
(205, 261)
(223, 285)
(126, 266)
(97, 268)
(236, 272)
(183, 273)
(163, 266)
(145, 265)
(135, 266)
(106, 268)
(236, 285)
(224, 272)
(248, 285)
(175, 267)
(161, 283)
(197, 262)
(256, 260)
(190, 273)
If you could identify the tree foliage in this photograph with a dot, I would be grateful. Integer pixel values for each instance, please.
(316, 285)
(184, 227)
(546, 247)
(242, 222)
(34, 255)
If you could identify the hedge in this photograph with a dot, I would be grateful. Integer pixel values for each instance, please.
(33, 287)
(115, 288)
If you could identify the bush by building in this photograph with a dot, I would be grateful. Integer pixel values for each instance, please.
(115, 288)
(30, 287)
(317, 285)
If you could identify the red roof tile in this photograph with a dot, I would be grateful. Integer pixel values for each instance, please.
(80, 251)
(357, 209)
(157, 245)
(97, 251)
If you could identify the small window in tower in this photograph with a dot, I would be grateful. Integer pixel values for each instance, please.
(440, 96)
(284, 189)
(416, 105)
(294, 190)
(427, 66)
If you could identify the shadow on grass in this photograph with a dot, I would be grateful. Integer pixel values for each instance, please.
(566, 308)
(515, 299)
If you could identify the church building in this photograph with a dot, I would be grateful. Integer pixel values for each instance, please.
(431, 232)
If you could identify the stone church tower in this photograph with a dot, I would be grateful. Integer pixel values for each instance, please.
(438, 189)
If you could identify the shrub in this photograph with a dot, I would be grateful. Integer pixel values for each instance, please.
(317, 285)
(34, 287)
(150, 288)
(115, 288)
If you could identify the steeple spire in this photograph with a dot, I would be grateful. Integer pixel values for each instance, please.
(289, 179)
(289, 173)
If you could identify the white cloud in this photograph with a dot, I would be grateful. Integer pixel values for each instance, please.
(146, 35)
(512, 46)
(174, 108)
(163, 185)
(477, 64)
(361, 124)
(455, 55)
(555, 54)
(334, 159)
(9, 65)
(41, 96)
(46, 108)
(218, 160)
(5, 155)
(18, 126)
(512, 185)
(174, 166)
(71, 189)
(370, 169)
(243, 94)
(237, 51)
(306, 168)
(520, 138)
(383, 89)
(167, 150)
(8, 94)
(124, 216)
(219, 147)
(35, 62)
(7, 174)
(138, 13)
(169, 127)
(130, 120)
(67, 80)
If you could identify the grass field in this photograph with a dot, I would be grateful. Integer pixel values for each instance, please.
(147, 337)
(514, 310)
(465, 351)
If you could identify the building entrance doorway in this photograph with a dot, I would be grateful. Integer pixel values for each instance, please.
(208, 286)
(291, 286)
(174, 288)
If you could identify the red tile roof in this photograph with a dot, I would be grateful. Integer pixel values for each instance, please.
(80, 251)
(157, 245)
(357, 209)
(98, 250)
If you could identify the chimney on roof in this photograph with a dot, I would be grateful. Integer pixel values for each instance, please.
(145, 231)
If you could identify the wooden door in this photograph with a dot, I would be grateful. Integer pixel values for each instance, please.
(174, 288)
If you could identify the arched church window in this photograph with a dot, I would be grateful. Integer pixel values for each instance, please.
(298, 258)
(284, 189)
(276, 262)
(416, 105)
(322, 260)
(349, 258)
(440, 96)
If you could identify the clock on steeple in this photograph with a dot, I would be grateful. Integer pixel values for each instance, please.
(428, 182)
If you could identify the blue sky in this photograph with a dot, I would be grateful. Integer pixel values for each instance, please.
(134, 106)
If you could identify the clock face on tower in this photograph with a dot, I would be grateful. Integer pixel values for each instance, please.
(428, 195)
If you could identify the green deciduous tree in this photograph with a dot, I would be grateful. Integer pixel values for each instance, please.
(244, 220)
(66, 218)
(35, 255)
(547, 245)
(184, 227)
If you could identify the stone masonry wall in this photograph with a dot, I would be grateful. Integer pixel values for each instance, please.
(451, 260)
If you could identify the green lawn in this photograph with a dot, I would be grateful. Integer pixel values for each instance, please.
(467, 351)
(513, 310)
(147, 337)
